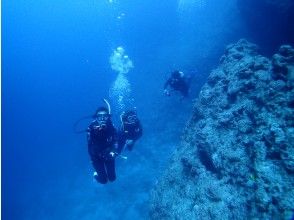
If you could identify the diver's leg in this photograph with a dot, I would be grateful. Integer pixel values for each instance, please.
(121, 143)
(110, 167)
(99, 166)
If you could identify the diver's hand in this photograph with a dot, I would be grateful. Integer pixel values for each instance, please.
(112, 154)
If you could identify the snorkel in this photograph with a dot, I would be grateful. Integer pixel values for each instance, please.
(108, 106)
(122, 123)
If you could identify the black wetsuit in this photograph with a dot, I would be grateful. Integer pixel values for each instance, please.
(129, 132)
(100, 144)
(178, 83)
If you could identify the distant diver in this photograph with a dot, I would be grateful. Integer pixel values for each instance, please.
(178, 81)
(130, 131)
(102, 145)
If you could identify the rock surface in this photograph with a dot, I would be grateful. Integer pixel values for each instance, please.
(236, 158)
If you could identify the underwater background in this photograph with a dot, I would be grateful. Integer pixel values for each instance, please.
(57, 68)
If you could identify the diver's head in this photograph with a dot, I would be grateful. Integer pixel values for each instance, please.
(129, 117)
(102, 117)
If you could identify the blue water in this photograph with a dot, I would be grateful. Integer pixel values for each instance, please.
(55, 70)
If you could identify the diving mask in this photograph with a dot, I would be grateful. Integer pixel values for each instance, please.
(131, 119)
(102, 118)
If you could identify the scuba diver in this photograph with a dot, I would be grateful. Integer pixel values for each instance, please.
(102, 145)
(130, 131)
(178, 82)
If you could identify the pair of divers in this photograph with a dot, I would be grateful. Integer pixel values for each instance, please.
(105, 142)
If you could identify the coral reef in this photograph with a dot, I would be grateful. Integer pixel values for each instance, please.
(236, 157)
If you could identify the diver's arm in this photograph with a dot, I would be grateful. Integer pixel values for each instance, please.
(90, 142)
(89, 130)
(115, 138)
(167, 83)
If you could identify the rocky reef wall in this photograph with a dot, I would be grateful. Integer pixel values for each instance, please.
(236, 157)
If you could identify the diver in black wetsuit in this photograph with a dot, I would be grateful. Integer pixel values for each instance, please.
(178, 82)
(102, 146)
(130, 131)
